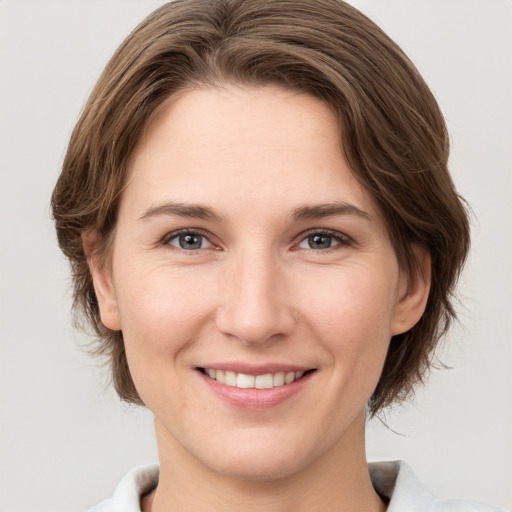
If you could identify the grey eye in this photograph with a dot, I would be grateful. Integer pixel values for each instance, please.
(189, 241)
(319, 241)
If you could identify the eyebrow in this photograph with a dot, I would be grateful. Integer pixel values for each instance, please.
(319, 211)
(305, 212)
(182, 210)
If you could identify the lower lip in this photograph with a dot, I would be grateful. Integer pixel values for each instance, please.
(256, 399)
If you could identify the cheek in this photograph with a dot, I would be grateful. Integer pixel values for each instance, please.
(159, 326)
(352, 299)
(169, 304)
(351, 313)
(162, 313)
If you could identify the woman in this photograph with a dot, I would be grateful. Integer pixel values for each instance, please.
(264, 234)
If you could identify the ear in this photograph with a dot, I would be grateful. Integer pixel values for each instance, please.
(413, 293)
(102, 279)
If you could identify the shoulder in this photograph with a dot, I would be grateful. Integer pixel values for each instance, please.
(397, 482)
(131, 488)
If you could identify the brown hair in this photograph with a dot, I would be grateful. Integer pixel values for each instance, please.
(392, 132)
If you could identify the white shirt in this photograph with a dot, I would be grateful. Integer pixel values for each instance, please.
(393, 480)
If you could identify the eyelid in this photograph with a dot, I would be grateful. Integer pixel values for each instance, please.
(188, 231)
(342, 238)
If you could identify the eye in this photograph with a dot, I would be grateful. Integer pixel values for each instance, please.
(189, 241)
(322, 240)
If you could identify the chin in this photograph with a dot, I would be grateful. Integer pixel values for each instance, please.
(251, 459)
(259, 469)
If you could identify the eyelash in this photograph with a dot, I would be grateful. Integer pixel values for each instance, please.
(341, 238)
(166, 240)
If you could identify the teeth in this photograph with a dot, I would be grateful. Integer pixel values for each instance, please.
(264, 381)
(288, 378)
(230, 379)
(220, 375)
(278, 379)
(245, 381)
(242, 380)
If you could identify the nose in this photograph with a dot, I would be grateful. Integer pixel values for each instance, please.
(255, 305)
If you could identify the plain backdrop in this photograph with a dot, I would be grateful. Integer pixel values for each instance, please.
(65, 439)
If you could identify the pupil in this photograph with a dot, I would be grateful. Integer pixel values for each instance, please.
(320, 242)
(190, 241)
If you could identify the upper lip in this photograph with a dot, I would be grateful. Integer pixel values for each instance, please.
(256, 369)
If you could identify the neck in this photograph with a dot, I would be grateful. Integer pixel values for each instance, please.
(338, 480)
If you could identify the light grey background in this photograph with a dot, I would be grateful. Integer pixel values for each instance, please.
(65, 440)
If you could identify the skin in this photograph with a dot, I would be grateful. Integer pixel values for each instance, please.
(257, 291)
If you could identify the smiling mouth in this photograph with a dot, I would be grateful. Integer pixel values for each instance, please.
(245, 381)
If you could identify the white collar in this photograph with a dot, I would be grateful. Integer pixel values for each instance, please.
(394, 481)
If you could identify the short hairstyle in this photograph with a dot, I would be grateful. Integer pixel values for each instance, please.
(392, 132)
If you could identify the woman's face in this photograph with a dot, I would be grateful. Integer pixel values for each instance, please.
(254, 282)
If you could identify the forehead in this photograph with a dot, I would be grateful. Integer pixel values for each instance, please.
(265, 145)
